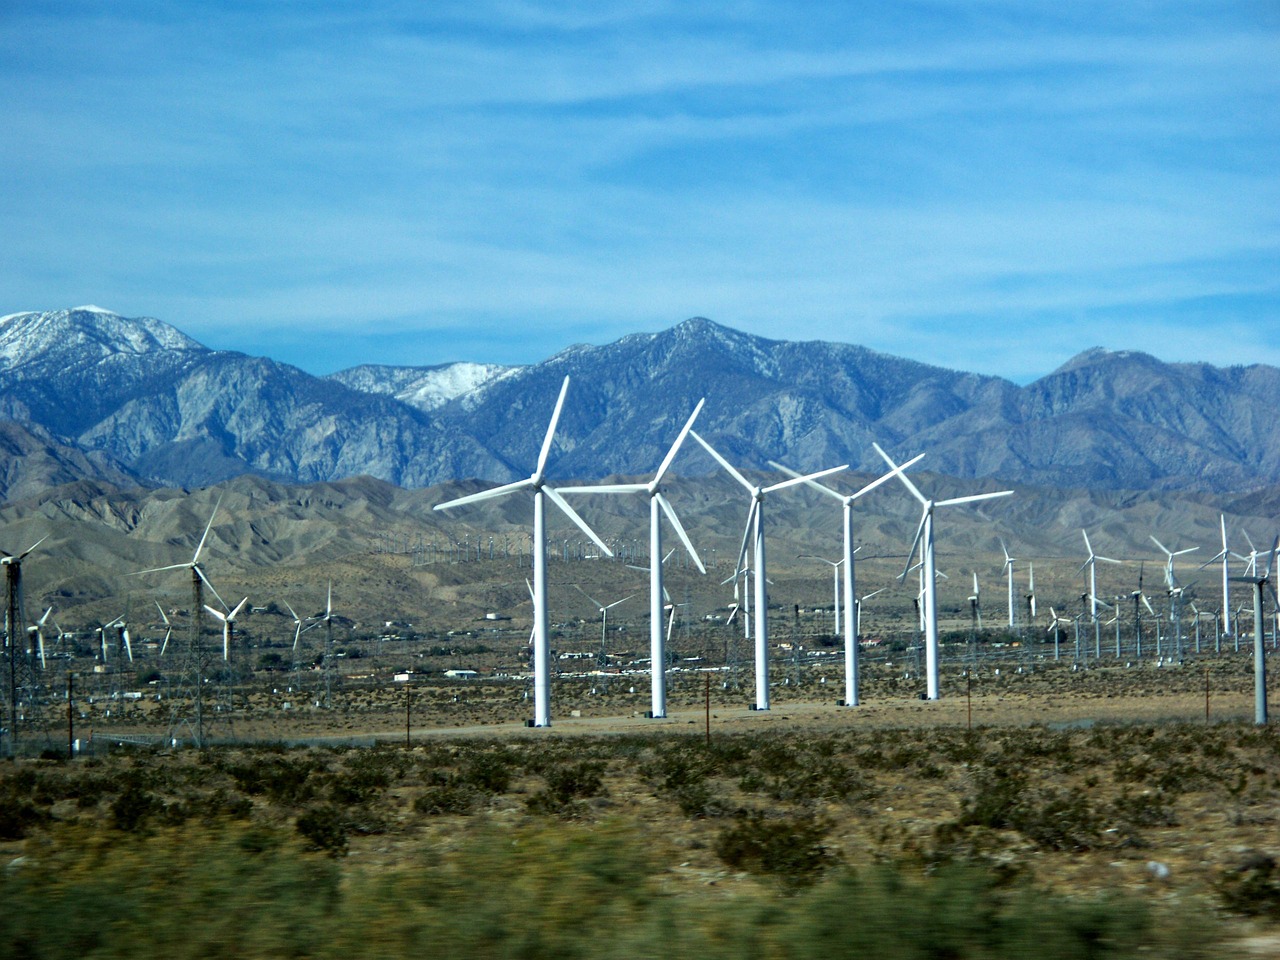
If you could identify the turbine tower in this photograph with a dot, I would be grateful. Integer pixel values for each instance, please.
(924, 542)
(658, 505)
(1225, 557)
(1260, 634)
(194, 667)
(753, 536)
(852, 679)
(21, 670)
(1008, 571)
(536, 483)
(228, 620)
(1092, 564)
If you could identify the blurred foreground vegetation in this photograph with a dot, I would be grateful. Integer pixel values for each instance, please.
(931, 842)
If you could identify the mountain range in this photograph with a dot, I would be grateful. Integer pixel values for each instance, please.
(91, 395)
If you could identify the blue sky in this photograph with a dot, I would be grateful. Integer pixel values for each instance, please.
(991, 186)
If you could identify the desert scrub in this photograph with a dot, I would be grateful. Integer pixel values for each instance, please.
(789, 849)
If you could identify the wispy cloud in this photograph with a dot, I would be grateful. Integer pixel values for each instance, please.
(992, 186)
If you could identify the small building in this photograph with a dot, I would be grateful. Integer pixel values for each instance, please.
(461, 674)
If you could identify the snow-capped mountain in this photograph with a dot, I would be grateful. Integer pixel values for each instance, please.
(144, 396)
(426, 388)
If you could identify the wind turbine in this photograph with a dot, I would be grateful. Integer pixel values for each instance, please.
(857, 608)
(924, 541)
(38, 629)
(13, 629)
(603, 609)
(297, 625)
(1031, 592)
(658, 505)
(198, 582)
(835, 584)
(168, 627)
(121, 625)
(1223, 555)
(975, 604)
(852, 684)
(1054, 624)
(536, 483)
(228, 620)
(1260, 634)
(753, 536)
(1008, 571)
(1092, 564)
(1175, 591)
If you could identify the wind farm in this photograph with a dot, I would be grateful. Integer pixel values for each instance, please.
(505, 658)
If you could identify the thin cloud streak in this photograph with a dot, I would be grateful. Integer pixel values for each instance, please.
(929, 180)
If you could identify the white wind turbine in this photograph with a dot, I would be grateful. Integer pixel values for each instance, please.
(228, 621)
(38, 629)
(1092, 564)
(852, 684)
(835, 584)
(297, 625)
(1260, 634)
(121, 626)
(924, 541)
(168, 627)
(1054, 626)
(1031, 593)
(857, 610)
(1225, 557)
(658, 505)
(536, 483)
(753, 536)
(975, 604)
(603, 609)
(1008, 570)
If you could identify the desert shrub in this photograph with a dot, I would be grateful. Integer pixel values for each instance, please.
(1003, 799)
(134, 807)
(1252, 888)
(567, 785)
(789, 849)
(453, 796)
(490, 770)
(1144, 810)
(324, 827)
(281, 779)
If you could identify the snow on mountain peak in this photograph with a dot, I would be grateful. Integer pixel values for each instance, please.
(83, 334)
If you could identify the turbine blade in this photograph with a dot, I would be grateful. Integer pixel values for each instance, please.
(593, 600)
(608, 488)
(23, 555)
(572, 514)
(915, 492)
(723, 462)
(204, 536)
(885, 478)
(217, 613)
(809, 482)
(915, 542)
(163, 615)
(675, 447)
(746, 537)
(974, 498)
(205, 580)
(551, 430)
(793, 481)
(239, 606)
(1165, 550)
(172, 566)
(680, 531)
(489, 494)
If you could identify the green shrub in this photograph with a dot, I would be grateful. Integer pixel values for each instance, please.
(787, 848)
(324, 828)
